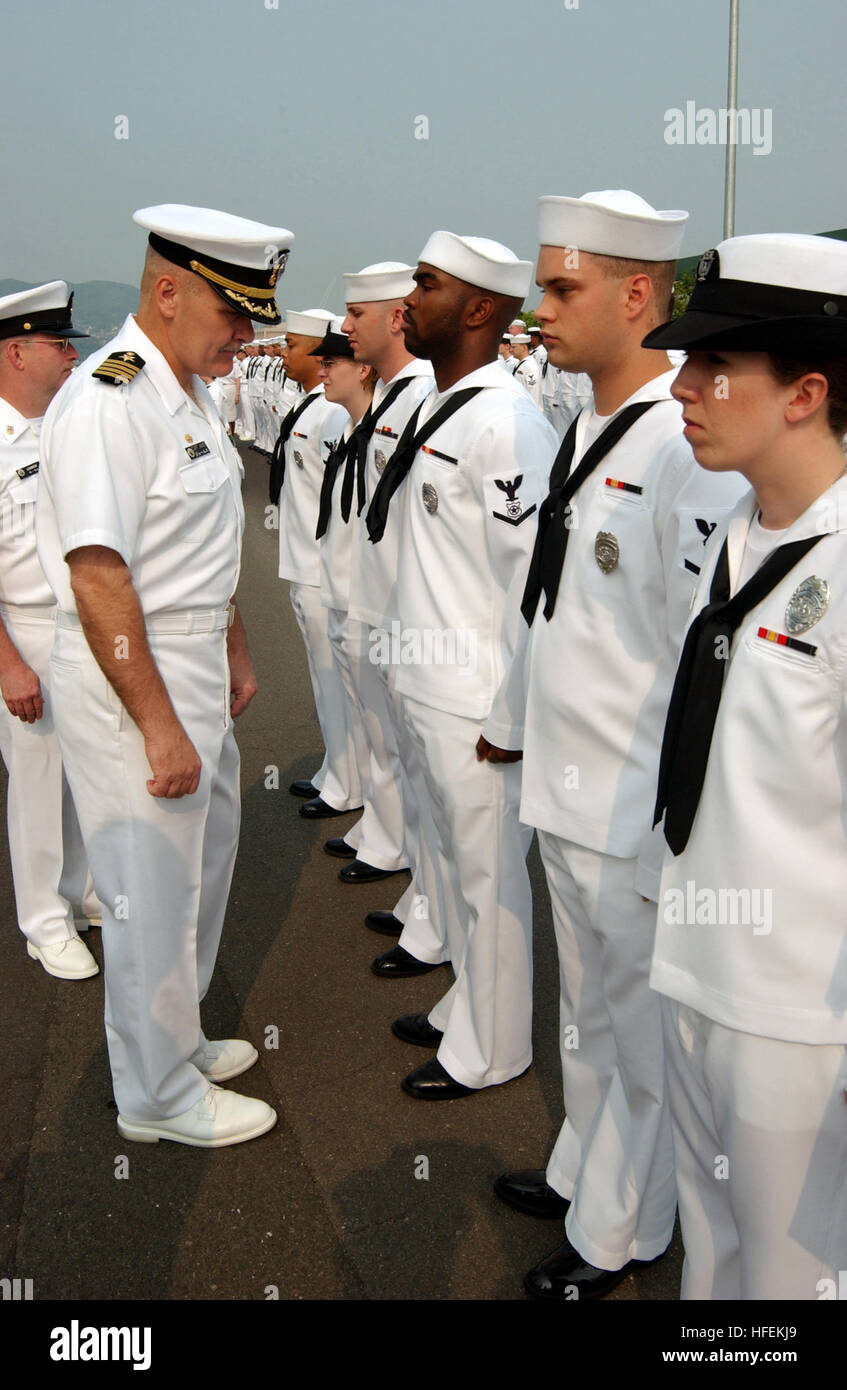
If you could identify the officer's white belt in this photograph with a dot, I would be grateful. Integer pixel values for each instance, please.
(32, 612)
(185, 622)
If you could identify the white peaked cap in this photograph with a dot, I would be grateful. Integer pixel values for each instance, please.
(382, 281)
(43, 309)
(219, 235)
(480, 262)
(312, 323)
(790, 259)
(239, 259)
(615, 222)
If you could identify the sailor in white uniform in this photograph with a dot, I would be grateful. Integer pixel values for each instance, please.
(477, 454)
(751, 949)
(305, 439)
(606, 615)
(528, 370)
(399, 831)
(139, 524)
(49, 868)
(350, 384)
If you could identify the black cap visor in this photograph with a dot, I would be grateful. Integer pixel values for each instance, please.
(797, 336)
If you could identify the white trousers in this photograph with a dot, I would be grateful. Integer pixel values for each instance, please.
(378, 836)
(49, 867)
(162, 868)
(760, 1138)
(486, 1016)
(613, 1157)
(245, 423)
(423, 907)
(338, 777)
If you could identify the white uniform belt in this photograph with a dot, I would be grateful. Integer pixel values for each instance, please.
(187, 622)
(35, 612)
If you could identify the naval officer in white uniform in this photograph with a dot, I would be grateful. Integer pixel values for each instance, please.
(607, 598)
(49, 868)
(139, 525)
(751, 948)
(477, 454)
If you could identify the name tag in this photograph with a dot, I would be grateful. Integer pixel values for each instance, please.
(28, 471)
(197, 451)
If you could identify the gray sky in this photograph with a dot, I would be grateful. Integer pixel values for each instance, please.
(304, 116)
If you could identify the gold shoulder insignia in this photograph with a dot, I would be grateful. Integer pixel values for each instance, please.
(120, 368)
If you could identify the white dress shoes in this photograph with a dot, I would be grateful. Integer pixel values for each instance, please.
(221, 1061)
(218, 1118)
(67, 960)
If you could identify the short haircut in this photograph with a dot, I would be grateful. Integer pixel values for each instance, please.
(788, 369)
(661, 274)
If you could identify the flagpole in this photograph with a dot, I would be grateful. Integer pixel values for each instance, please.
(732, 125)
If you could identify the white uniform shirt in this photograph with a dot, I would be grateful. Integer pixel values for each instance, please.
(563, 395)
(306, 453)
(336, 545)
(528, 373)
(598, 675)
(146, 471)
(373, 574)
(21, 576)
(469, 507)
(770, 832)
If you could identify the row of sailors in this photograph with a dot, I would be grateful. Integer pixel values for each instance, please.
(579, 690)
(405, 477)
(256, 395)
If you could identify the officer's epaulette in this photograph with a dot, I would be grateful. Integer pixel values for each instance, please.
(120, 368)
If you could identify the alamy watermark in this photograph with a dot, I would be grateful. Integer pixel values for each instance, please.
(424, 646)
(725, 126)
(718, 907)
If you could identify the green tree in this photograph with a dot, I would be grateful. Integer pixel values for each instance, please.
(682, 287)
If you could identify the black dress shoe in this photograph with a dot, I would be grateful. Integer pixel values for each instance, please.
(566, 1276)
(340, 849)
(400, 965)
(417, 1029)
(318, 809)
(360, 872)
(529, 1191)
(432, 1082)
(385, 923)
(304, 789)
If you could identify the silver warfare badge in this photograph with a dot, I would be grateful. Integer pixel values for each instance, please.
(298, 458)
(430, 498)
(607, 552)
(380, 460)
(807, 604)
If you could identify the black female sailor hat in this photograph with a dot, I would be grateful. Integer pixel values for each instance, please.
(334, 343)
(44, 309)
(778, 292)
(239, 259)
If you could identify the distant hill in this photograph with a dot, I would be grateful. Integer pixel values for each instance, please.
(100, 307)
